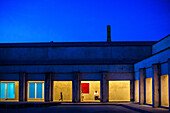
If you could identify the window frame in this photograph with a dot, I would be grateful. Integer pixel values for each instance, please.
(29, 99)
(6, 90)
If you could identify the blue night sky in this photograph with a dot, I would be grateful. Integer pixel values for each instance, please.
(83, 20)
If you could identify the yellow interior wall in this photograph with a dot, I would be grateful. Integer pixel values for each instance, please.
(119, 90)
(16, 91)
(164, 91)
(65, 87)
(136, 90)
(149, 90)
(93, 86)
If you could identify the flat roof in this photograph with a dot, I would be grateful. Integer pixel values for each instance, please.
(79, 44)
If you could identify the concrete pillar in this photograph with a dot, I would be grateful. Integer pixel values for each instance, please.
(169, 79)
(104, 88)
(156, 72)
(52, 74)
(22, 87)
(142, 72)
(131, 90)
(76, 87)
(48, 86)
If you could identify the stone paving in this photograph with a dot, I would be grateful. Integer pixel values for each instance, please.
(105, 108)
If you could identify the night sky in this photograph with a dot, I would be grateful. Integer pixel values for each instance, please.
(83, 20)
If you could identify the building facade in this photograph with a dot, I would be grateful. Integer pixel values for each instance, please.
(75, 71)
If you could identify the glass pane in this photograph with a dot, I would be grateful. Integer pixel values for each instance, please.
(39, 90)
(10, 90)
(31, 90)
(2, 90)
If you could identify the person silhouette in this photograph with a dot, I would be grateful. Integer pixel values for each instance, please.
(61, 96)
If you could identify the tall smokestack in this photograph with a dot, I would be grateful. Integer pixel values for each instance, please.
(108, 33)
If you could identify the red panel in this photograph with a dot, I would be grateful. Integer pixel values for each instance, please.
(85, 87)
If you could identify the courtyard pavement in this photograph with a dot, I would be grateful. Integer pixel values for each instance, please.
(86, 108)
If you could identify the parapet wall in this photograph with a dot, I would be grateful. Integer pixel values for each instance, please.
(117, 54)
(161, 45)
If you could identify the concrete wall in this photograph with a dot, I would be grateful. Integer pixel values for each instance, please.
(158, 58)
(161, 58)
(164, 68)
(148, 72)
(64, 68)
(9, 77)
(162, 44)
(65, 72)
(119, 54)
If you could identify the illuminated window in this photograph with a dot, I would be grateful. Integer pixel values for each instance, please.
(3, 92)
(119, 90)
(149, 90)
(137, 91)
(62, 91)
(7, 90)
(88, 91)
(35, 90)
(164, 91)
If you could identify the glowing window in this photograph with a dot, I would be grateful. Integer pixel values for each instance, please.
(10, 90)
(149, 90)
(137, 91)
(7, 90)
(119, 90)
(36, 90)
(39, 90)
(88, 88)
(2, 93)
(62, 91)
(164, 91)
(31, 90)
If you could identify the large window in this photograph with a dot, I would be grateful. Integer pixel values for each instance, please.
(119, 90)
(149, 90)
(136, 90)
(35, 90)
(164, 91)
(90, 91)
(62, 91)
(8, 90)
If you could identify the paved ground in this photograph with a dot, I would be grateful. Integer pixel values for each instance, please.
(126, 108)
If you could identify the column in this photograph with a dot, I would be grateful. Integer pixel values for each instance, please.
(169, 79)
(156, 72)
(132, 90)
(52, 86)
(22, 87)
(104, 88)
(48, 86)
(76, 87)
(142, 72)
